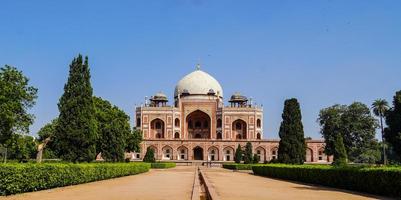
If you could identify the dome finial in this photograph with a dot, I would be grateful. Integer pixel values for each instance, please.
(198, 66)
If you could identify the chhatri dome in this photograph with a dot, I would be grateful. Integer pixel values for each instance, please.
(198, 83)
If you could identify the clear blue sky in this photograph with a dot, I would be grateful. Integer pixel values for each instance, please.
(321, 52)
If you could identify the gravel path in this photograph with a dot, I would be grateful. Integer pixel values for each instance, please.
(240, 185)
(169, 184)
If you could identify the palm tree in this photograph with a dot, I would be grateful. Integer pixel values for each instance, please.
(380, 107)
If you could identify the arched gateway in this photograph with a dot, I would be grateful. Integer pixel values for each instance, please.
(199, 125)
(198, 153)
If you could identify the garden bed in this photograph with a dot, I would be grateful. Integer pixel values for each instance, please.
(163, 165)
(235, 166)
(375, 180)
(20, 178)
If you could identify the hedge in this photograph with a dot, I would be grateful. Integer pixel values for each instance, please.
(235, 166)
(19, 178)
(375, 180)
(162, 165)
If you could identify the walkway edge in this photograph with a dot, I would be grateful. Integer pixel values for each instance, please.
(195, 187)
(211, 192)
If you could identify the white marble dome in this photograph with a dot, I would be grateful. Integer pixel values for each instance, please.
(198, 83)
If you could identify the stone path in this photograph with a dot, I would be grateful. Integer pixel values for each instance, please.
(177, 184)
(157, 184)
(241, 185)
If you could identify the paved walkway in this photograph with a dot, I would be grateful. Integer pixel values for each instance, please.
(241, 185)
(157, 184)
(177, 184)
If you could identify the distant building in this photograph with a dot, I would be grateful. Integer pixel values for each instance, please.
(199, 126)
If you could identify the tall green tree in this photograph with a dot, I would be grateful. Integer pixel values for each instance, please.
(340, 154)
(17, 96)
(76, 128)
(256, 159)
(331, 125)
(238, 154)
(46, 136)
(392, 133)
(134, 141)
(113, 130)
(21, 147)
(149, 156)
(380, 107)
(292, 146)
(248, 153)
(356, 125)
(47, 131)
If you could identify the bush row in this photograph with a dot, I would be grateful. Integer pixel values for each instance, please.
(19, 178)
(235, 166)
(163, 165)
(375, 180)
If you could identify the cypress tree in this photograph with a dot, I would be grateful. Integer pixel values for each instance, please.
(292, 145)
(256, 159)
(248, 153)
(340, 155)
(238, 154)
(149, 156)
(392, 133)
(75, 135)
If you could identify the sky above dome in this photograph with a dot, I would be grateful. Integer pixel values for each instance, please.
(321, 52)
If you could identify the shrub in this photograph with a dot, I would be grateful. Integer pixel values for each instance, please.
(238, 154)
(162, 165)
(235, 166)
(19, 178)
(374, 180)
(248, 159)
(256, 159)
(149, 156)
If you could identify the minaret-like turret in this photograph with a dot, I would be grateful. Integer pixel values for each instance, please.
(237, 100)
(158, 100)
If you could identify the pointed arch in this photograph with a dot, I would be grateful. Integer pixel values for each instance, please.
(157, 127)
(228, 153)
(322, 157)
(182, 153)
(177, 122)
(219, 136)
(309, 155)
(198, 153)
(274, 153)
(167, 153)
(199, 125)
(176, 135)
(213, 153)
(239, 128)
(261, 152)
(258, 123)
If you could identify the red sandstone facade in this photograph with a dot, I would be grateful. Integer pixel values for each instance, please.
(200, 127)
